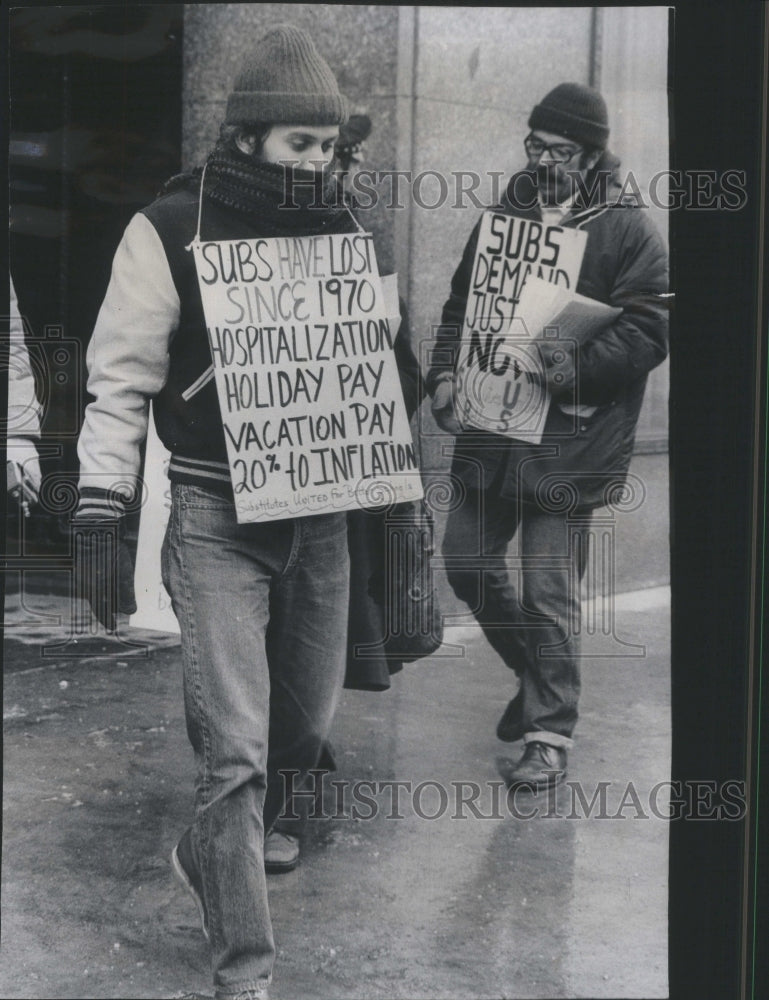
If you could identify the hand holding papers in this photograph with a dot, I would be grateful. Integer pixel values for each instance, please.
(506, 393)
(553, 312)
(493, 392)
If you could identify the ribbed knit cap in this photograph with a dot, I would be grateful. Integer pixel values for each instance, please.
(285, 79)
(574, 111)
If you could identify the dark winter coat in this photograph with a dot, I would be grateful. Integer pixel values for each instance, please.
(368, 667)
(625, 264)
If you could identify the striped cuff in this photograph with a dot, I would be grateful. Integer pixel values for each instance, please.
(98, 504)
(182, 468)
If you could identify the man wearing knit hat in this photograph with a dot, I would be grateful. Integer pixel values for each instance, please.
(543, 493)
(262, 607)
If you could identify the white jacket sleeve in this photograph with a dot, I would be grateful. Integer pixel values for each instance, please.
(23, 405)
(127, 359)
(24, 410)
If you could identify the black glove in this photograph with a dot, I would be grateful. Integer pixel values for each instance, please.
(104, 568)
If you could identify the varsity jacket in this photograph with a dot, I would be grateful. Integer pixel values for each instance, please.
(150, 343)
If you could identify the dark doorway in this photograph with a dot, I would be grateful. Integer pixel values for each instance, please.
(95, 129)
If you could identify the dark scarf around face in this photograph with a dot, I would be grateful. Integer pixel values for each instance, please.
(264, 193)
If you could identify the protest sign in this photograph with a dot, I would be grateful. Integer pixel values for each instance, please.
(500, 371)
(307, 381)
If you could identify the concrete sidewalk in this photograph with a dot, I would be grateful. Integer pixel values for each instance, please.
(474, 902)
(419, 877)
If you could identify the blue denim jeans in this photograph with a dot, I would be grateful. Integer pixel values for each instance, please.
(263, 612)
(533, 624)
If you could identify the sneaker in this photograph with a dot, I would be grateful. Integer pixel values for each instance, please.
(541, 766)
(281, 852)
(510, 726)
(185, 870)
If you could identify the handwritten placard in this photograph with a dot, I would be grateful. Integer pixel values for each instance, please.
(307, 381)
(499, 382)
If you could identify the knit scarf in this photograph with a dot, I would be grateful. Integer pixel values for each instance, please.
(263, 193)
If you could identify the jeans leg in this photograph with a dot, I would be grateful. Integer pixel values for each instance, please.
(475, 544)
(553, 550)
(307, 652)
(219, 574)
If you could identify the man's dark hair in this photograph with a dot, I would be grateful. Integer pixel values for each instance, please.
(587, 151)
(592, 189)
(229, 134)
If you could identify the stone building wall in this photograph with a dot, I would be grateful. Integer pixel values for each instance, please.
(359, 42)
(449, 89)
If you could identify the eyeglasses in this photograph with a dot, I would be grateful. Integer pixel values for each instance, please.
(559, 152)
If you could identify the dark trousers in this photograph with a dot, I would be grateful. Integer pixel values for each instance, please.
(527, 599)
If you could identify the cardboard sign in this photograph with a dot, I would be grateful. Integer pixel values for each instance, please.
(499, 370)
(307, 381)
(153, 605)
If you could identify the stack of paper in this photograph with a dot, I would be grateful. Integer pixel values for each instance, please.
(509, 398)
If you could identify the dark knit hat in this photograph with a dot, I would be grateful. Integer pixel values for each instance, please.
(574, 111)
(356, 130)
(285, 79)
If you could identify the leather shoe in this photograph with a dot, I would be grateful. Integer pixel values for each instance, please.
(510, 726)
(541, 766)
(281, 852)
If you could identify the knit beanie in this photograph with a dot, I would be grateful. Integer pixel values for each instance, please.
(574, 111)
(285, 79)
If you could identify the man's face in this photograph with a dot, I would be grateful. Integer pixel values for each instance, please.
(557, 162)
(307, 147)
